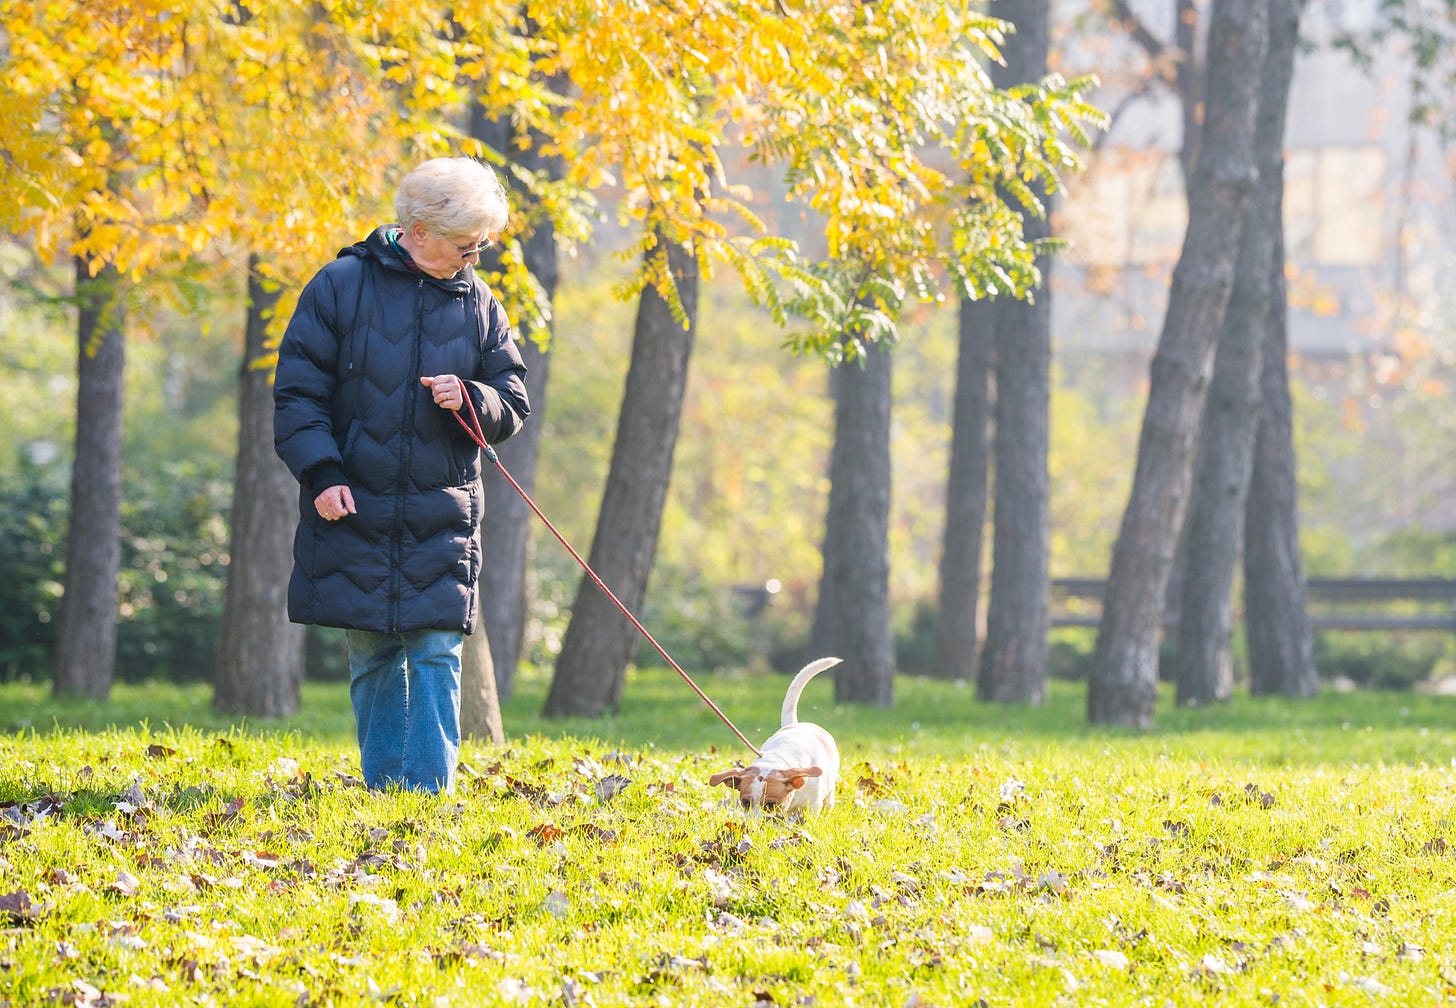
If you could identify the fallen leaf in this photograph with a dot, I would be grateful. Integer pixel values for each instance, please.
(17, 907)
(1370, 985)
(1298, 902)
(513, 989)
(610, 786)
(1213, 965)
(573, 993)
(545, 834)
(132, 800)
(596, 833)
(230, 812)
(126, 884)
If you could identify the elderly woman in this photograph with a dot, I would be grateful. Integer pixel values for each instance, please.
(384, 346)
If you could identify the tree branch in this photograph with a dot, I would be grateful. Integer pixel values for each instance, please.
(1155, 47)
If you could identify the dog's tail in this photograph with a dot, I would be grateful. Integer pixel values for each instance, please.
(790, 713)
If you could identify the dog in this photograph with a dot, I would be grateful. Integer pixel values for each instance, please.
(799, 765)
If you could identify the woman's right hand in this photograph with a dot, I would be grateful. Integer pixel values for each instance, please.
(335, 502)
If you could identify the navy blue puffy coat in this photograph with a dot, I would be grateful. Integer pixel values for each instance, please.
(349, 408)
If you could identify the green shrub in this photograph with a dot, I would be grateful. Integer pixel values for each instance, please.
(915, 642)
(32, 548)
(174, 557)
(1394, 661)
(705, 627)
(169, 588)
(1070, 652)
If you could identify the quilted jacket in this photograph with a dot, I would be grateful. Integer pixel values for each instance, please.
(349, 408)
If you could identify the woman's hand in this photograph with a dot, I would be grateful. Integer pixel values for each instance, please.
(335, 502)
(448, 390)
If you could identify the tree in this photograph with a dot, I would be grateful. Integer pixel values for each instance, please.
(958, 600)
(260, 654)
(591, 670)
(207, 113)
(657, 116)
(852, 616)
(86, 630)
(136, 142)
(893, 224)
(1280, 636)
(72, 181)
(1123, 687)
(1225, 458)
(357, 97)
(648, 116)
(1281, 598)
(506, 528)
(1013, 661)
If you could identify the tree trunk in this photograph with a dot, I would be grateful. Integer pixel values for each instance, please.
(1280, 637)
(1018, 615)
(86, 625)
(853, 614)
(260, 655)
(1215, 532)
(508, 522)
(957, 619)
(506, 528)
(592, 667)
(1186, 77)
(1124, 681)
(480, 715)
(1013, 662)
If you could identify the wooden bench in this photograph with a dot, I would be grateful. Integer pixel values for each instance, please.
(1334, 603)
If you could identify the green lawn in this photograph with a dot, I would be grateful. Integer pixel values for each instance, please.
(659, 711)
(1262, 852)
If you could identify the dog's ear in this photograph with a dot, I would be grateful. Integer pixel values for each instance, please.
(729, 777)
(794, 776)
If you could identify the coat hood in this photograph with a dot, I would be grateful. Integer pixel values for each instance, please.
(383, 251)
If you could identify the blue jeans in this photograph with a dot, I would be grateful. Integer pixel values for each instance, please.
(406, 693)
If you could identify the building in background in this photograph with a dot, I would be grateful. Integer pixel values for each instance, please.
(1368, 205)
(1370, 232)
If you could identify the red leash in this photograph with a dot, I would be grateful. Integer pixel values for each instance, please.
(472, 427)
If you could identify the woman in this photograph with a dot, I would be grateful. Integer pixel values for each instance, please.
(384, 346)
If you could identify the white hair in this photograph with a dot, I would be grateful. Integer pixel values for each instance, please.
(452, 196)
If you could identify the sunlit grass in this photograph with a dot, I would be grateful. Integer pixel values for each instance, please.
(1260, 852)
(659, 711)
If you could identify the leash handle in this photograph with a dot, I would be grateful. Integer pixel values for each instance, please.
(472, 427)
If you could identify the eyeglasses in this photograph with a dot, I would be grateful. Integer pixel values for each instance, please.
(466, 251)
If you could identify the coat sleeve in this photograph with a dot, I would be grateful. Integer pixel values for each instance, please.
(304, 386)
(498, 388)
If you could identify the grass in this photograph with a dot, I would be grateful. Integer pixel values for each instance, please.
(1260, 852)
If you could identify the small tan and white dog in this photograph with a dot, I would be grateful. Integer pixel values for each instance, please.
(799, 764)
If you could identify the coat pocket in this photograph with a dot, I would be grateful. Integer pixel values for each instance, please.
(351, 441)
